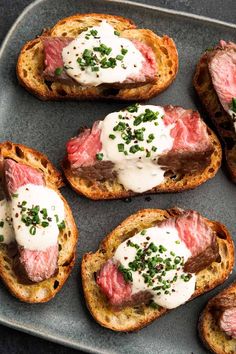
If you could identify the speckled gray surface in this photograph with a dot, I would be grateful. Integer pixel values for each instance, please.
(47, 126)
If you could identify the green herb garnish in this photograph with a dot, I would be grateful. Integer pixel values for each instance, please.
(32, 230)
(99, 156)
(234, 104)
(58, 71)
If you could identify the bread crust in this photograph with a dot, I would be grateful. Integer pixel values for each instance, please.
(47, 289)
(203, 85)
(113, 190)
(210, 333)
(30, 62)
(134, 318)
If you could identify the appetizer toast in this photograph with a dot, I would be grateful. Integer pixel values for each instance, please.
(187, 156)
(31, 62)
(211, 321)
(131, 318)
(41, 291)
(212, 83)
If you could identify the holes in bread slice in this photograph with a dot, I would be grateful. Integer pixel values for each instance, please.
(61, 92)
(221, 235)
(19, 152)
(30, 46)
(56, 284)
(111, 91)
(164, 51)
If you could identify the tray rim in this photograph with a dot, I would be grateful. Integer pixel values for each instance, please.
(37, 332)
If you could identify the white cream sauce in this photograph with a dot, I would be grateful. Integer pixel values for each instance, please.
(168, 237)
(25, 198)
(136, 171)
(6, 229)
(129, 66)
(45, 198)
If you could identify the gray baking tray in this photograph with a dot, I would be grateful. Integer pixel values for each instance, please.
(47, 126)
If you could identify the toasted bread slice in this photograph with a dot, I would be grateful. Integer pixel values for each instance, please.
(134, 318)
(97, 190)
(47, 289)
(211, 334)
(222, 121)
(31, 62)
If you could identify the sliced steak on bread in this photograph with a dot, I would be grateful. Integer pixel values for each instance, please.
(97, 56)
(215, 83)
(154, 261)
(38, 233)
(217, 323)
(142, 149)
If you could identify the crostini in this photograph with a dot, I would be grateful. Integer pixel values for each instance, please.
(142, 149)
(214, 81)
(97, 56)
(154, 261)
(38, 235)
(217, 323)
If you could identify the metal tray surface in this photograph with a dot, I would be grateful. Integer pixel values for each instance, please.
(46, 126)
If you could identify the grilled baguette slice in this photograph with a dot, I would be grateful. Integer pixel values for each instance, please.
(221, 119)
(134, 318)
(211, 334)
(31, 61)
(97, 190)
(47, 289)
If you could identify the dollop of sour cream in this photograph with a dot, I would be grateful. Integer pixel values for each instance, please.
(36, 214)
(154, 259)
(99, 55)
(133, 140)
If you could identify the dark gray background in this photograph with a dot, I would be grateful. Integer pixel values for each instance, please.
(12, 341)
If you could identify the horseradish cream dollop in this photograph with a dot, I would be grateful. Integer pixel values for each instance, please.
(153, 260)
(37, 215)
(6, 229)
(133, 140)
(99, 55)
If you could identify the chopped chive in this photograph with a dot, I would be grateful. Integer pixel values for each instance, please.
(117, 33)
(119, 57)
(62, 225)
(32, 230)
(58, 71)
(99, 156)
(234, 104)
(95, 68)
(124, 51)
(1, 238)
(121, 147)
(1, 223)
(112, 136)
